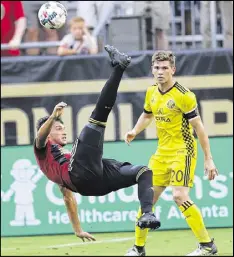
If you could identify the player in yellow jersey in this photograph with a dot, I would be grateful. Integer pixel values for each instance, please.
(174, 109)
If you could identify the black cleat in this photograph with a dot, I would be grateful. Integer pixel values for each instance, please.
(148, 220)
(117, 58)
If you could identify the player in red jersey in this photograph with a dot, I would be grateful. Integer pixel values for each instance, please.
(84, 170)
(13, 25)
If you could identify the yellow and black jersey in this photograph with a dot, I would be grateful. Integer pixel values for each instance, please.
(172, 111)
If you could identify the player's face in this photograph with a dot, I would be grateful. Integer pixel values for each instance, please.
(58, 134)
(163, 71)
(77, 30)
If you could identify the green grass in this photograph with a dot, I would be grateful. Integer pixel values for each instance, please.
(164, 243)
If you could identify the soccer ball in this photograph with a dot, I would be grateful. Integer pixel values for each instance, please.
(52, 15)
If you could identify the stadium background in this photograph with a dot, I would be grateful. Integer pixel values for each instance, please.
(32, 85)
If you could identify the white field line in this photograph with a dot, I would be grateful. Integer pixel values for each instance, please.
(115, 240)
(93, 242)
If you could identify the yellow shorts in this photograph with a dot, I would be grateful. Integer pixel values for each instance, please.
(173, 170)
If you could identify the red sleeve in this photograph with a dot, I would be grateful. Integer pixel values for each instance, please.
(18, 10)
(41, 153)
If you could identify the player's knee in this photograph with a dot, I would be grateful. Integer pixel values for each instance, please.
(144, 172)
(179, 197)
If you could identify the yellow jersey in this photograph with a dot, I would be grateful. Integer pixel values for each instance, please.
(172, 111)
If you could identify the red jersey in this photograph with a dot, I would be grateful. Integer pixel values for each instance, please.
(11, 11)
(54, 163)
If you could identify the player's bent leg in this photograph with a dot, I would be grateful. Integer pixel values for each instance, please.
(146, 195)
(141, 234)
(181, 181)
(161, 179)
(195, 221)
(142, 175)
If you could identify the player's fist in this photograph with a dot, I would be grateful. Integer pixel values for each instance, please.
(84, 235)
(129, 136)
(14, 43)
(58, 110)
(210, 169)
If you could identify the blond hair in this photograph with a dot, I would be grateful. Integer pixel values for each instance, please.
(76, 20)
(164, 56)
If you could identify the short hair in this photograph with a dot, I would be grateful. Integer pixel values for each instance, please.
(164, 56)
(76, 20)
(42, 120)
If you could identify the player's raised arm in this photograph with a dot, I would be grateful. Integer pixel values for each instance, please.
(72, 208)
(44, 131)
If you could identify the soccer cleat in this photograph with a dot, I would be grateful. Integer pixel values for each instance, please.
(203, 250)
(148, 220)
(134, 252)
(117, 58)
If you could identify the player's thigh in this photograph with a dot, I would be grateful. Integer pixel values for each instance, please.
(182, 171)
(87, 150)
(161, 173)
(92, 135)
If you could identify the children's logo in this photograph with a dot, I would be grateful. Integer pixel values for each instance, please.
(25, 177)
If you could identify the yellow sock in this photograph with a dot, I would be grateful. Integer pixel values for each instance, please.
(195, 221)
(140, 234)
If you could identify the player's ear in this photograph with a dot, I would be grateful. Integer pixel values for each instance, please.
(173, 70)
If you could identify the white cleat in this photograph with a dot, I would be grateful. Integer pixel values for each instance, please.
(134, 252)
(205, 250)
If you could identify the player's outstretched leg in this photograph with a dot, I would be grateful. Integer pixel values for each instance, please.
(106, 100)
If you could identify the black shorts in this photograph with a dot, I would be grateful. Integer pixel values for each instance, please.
(93, 175)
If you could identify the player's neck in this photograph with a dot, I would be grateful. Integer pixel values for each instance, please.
(55, 143)
(165, 86)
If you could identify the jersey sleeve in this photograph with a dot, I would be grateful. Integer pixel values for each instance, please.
(41, 153)
(147, 106)
(189, 105)
(18, 10)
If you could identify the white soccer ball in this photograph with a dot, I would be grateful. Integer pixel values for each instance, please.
(52, 15)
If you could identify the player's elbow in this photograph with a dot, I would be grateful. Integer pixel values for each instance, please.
(68, 199)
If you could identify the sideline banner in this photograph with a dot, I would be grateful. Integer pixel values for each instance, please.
(32, 205)
(23, 104)
(26, 69)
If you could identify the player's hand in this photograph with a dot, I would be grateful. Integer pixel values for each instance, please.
(14, 43)
(210, 169)
(85, 235)
(86, 31)
(58, 110)
(129, 136)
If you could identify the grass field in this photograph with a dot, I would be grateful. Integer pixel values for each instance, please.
(164, 243)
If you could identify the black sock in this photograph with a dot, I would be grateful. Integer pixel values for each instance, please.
(209, 244)
(145, 191)
(139, 248)
(108, 95)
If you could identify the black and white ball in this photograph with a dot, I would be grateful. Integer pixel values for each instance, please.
(52, 15)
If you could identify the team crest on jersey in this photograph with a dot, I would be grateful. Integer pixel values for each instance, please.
(171, 104)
